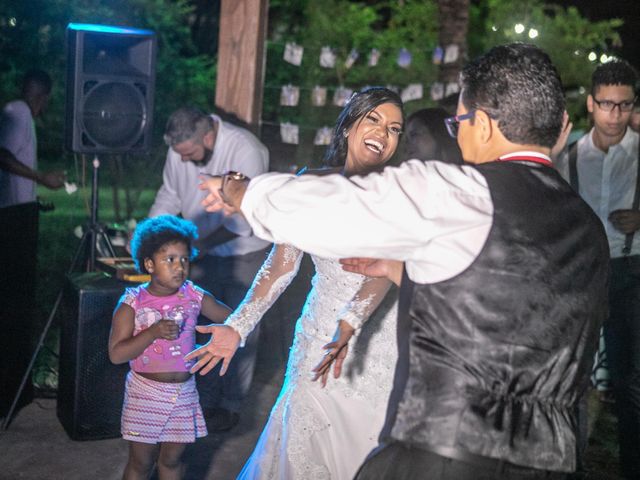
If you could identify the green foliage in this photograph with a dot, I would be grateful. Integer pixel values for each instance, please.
(342, 25)
(32, 34)
(563, 33)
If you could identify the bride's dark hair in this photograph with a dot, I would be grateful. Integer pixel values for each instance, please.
(359, 105)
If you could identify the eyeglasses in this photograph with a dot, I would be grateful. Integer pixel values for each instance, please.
(609, 106)
(453, 123)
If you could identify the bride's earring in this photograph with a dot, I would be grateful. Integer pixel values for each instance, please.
(345, 134)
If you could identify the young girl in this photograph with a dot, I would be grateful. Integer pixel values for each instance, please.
(153, 328)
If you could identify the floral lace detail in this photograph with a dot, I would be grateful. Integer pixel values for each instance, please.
(367, 375)
(275, 275)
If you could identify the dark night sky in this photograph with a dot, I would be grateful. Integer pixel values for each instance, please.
(627, 10)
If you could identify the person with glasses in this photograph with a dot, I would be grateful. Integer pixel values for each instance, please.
(504, 287)
(602, 166)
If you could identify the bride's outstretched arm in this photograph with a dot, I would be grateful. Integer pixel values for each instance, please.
(351, 318)
(275, 275)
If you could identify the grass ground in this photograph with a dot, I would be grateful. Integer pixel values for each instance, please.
(57, 245)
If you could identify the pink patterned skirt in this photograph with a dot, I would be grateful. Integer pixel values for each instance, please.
(156, 412)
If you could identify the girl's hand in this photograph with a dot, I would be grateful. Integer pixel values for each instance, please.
(167, 329)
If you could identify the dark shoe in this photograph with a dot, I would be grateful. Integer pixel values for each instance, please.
(220, 419)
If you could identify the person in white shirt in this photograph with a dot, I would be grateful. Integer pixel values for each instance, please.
(504, 288)
(202, 144)
(603, 167)
(18, 145)
(19, 213)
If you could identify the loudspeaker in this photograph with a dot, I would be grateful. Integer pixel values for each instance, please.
(110, 89)
(90, 387)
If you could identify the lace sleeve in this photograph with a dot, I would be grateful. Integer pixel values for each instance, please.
(275, 275)
(365, 301)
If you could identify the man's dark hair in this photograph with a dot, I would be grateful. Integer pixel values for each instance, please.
(36, 81)
(153, 233)
(358, 106)
(518, 87)
(187, 123)
(615, 72)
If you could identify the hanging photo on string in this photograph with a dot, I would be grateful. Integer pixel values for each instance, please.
(327, 57)
(451, 53)
(412, 92)
(342, 96)
(374, 57)
(289, 96)
(437, 91)
(404, 58)
(289, 133)
(323, 136)
(351, 58)
(318, 96)
(293, 53)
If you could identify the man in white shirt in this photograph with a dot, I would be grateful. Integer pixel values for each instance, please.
(603, 167)
(504, 288)
(202, 144)
(19, 228)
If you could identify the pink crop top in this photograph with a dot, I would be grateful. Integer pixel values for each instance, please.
(183, 307)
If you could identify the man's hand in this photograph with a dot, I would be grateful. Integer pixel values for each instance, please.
(561, 143)
(625, 221)
(51, 180)
(225, 193)
(373, 267)
(336, 353)
(222, 346)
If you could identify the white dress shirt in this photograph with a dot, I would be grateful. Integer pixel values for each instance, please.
(18, 135)
(607, 182)
(235, 149)
(434, 216)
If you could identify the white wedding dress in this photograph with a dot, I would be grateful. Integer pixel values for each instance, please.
(314, 432)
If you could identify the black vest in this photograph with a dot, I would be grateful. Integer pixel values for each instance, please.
(492, 361)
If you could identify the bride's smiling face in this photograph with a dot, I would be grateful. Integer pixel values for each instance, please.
(373, 139)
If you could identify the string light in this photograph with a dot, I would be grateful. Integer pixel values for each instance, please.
(519, 28)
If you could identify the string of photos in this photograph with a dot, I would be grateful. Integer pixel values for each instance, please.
(319, 95)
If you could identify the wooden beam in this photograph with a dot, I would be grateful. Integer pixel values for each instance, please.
(241, 58)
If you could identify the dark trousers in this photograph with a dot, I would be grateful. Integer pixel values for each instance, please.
(18, 255)
(622, 337)
(398, 461)
(228, 279)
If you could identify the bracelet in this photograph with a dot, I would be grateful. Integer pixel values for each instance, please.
(231, 175)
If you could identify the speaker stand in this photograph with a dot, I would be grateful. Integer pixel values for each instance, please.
(86, 251)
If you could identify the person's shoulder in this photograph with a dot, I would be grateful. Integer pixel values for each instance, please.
(235, 133)
(17, 109)
(194, 290)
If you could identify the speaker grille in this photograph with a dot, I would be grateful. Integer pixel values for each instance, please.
(91, 388)
(114, 114)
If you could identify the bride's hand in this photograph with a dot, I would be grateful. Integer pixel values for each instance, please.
(336, 353)
(222, 346)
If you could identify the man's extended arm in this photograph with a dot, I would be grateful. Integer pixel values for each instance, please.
(418, 212)
(9, 163)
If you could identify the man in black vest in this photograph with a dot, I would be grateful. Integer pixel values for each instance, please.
(504, 286)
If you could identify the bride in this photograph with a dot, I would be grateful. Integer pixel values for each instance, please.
(315, 432)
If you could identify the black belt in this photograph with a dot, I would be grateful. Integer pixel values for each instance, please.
(488, 463)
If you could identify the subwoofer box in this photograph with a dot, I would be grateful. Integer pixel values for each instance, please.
(90, 387)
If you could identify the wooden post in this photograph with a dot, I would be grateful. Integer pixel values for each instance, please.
(241, 51)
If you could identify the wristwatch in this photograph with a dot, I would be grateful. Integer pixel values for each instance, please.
(231, 175)
(236, 175)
